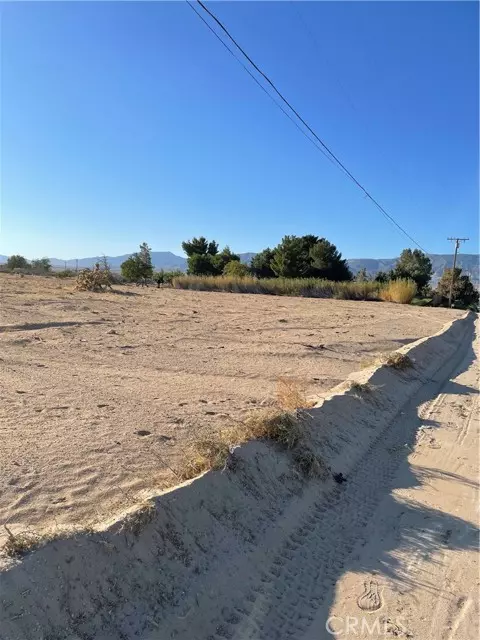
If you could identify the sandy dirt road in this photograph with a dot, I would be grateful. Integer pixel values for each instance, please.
(393, 552)
(101, 392)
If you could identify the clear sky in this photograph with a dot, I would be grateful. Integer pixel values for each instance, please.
(124, 122)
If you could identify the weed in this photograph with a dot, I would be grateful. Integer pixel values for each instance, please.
(402, 291)
(360, 387)
(209, 453)
(18, 544)
(291, 394)
(399, 361)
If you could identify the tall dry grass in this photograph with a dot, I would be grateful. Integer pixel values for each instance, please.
(401, 291)
(306, 287)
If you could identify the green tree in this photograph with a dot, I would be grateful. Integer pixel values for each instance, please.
(42, 264)
(260, 264)
(223, 258)
(290, 258)
(17, 262)
(139, 265)
(199, 264)
(236, 269)
(327, 262)
(382, 276)
(414, 265)
(464, 293)
(200, 246)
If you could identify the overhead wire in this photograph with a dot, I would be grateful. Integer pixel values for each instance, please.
(325, 149)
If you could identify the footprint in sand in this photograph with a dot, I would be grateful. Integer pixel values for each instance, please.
(371, 598)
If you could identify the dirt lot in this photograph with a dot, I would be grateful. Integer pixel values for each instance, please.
(100, 392)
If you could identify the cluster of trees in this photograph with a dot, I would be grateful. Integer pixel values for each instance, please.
(41, 265)
(294, 257)
(412, 264)
(204, 259)
(417, 266)
(301, 257)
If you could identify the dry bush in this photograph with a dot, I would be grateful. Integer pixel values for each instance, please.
(94, 280)
(309, 463)
(399, 361)
(205, 455)
(279, 426)
(360, 387)
(286, 429)
(291, 394)
(18, 544)
(401, 291)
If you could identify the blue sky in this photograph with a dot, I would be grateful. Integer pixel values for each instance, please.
(125, 122)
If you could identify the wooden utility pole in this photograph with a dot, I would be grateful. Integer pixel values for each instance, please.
(457, 242)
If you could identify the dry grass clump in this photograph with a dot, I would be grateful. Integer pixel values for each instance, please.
(291, 394)
(18, 544)
(399, 361)
(276, 425)
(207, 454)
(283, 425)
(402, 291)
(360, 387)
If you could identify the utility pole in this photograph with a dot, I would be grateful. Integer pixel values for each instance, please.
(457, 242)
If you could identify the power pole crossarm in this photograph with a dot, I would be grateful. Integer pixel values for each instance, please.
(457, 242)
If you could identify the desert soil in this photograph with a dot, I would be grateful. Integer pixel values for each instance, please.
(100, 393)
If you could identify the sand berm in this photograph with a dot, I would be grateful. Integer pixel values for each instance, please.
(217, 557)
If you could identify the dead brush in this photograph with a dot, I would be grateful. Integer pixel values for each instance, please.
(18, 544)
(291, 394)
(94, 280)
(360, 388)
(399, 361)
(207, 454)
(282, 427)
(310, 465)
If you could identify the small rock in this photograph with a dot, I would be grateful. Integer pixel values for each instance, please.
(111, 332)
(143, 432)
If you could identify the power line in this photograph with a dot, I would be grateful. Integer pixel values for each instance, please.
(325, 148)
(260, 85)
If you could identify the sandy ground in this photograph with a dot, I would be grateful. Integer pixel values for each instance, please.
(259, 552)
(100, 392)
(415, 572)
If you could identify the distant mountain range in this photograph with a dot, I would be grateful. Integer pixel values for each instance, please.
(469, 262)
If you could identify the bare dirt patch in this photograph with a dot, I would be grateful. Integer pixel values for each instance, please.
(101, 393)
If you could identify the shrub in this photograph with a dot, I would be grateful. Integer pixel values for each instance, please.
(65, 273)
(402, 291)
(139, 265)
(464, 293)
(166, 277)
(399, 361)
(42, 265)
(414, 265)
(17, 262)
(95, 279)
(236, 269)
